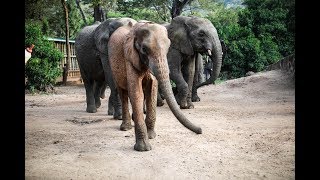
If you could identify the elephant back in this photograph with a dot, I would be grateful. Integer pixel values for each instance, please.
(103, 32)
(84, 39)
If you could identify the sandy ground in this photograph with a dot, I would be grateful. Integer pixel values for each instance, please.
(248, 133)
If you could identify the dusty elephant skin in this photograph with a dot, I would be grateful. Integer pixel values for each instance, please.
(136, 53)
(248, 123)
(191, 36)
(92, 55)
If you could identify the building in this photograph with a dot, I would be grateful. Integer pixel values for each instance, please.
(74, 71)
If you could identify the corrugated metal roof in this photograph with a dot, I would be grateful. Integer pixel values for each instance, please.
(60, 39)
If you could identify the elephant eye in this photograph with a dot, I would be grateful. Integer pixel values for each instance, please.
(201, 34)
(145, 50)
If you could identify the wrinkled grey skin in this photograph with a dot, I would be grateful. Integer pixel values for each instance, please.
(91, 46)
(191, 36)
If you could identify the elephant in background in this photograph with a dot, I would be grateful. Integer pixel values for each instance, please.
(91, 46)
(190, 37)
(138, 60)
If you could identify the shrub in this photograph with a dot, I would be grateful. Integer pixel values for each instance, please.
(42, 69)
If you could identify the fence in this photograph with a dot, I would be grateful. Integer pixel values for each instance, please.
(60, 44)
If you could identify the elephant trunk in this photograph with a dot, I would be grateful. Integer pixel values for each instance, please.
(162, 76)
(216, 58)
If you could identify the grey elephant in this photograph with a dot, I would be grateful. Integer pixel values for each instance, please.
(91, 46)
(191, 37)
(138, 59)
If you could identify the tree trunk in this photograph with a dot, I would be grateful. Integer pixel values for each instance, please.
(177, 7)
(98, 13)
(65, 74)
(81, 12)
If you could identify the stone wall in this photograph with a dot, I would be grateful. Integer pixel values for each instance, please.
(287, 64)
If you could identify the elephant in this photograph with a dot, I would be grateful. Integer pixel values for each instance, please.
(191, 37)
(138, 60)
(91, 47)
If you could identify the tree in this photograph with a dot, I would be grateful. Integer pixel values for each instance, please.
(81, 12)
(177, 6)
(100, 8)
(274, 18)
(66, 68)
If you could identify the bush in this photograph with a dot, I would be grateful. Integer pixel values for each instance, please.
(41, 74)
(42, 69)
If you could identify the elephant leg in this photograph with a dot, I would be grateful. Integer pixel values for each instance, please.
(195, 97)
(198, 78)
(114, 96)
(136, 99)
(102, 91)
(116, 102)
(151, 105)
(182, 86)
(190, 70)
(126, 118)
(159, 98)
(97, 92)
(110, 106)
(88, 84)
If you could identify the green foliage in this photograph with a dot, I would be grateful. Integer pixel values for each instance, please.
(246, 52)
(51, 16)
(156, 11)
(57, 25)
(42, 69)
(256, 36)
(41, 74)
(274, 17)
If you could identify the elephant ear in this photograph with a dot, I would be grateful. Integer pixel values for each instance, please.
(105, 30)
(101, 36)
(131, 54)
(131, 46)
(178, 34)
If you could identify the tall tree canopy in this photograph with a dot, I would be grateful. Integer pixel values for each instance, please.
(256, 32)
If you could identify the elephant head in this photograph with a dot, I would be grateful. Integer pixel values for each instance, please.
(192, 35)
(105, 29)
(146, 48)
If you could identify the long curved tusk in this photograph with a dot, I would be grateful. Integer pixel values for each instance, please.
(209, 52)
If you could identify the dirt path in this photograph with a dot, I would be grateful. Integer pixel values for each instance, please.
(248, 133)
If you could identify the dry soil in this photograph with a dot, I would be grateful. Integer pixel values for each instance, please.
(248, 133)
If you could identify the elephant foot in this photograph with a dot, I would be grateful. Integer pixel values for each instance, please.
(190, 104)
(151, 134)
(118, 117)
(110, 111)
(125, 126)
(91, 109)
(183, 104)
(160, 103)
(142, 145)
(195, 98)
(186, 105)
(98, 104)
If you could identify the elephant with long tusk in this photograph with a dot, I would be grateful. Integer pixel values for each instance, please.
(138, 60)
(191, 37)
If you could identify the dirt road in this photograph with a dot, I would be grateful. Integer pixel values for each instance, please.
(248, 133)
